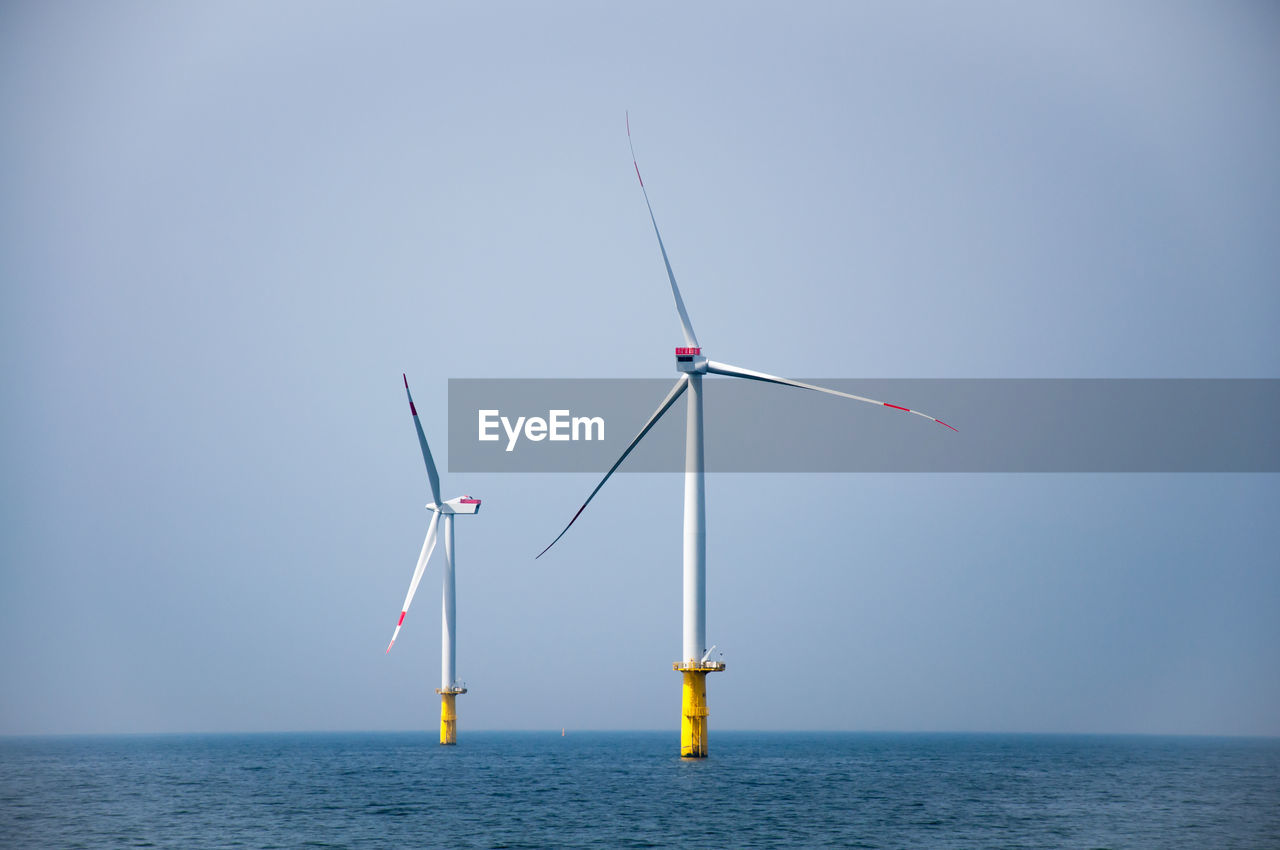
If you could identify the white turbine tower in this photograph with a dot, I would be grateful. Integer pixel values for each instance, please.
(442, 514)
(695, 661)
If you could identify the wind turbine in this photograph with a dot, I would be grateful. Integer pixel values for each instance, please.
(442, 514)
(690, 362)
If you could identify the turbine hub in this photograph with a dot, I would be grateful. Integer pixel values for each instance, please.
(690, 359)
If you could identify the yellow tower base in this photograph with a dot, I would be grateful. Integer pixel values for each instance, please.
(693, 711)
(449, 714)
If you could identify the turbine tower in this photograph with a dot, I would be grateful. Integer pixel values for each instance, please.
(695, 663)
(442, 514)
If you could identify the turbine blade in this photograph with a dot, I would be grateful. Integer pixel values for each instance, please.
(432, 475)
(689, 338)
(653, 420)
(427, 546)
(739, 372)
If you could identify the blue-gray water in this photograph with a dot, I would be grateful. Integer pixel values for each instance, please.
(630, 790)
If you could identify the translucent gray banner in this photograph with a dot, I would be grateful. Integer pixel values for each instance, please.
(1003, 425)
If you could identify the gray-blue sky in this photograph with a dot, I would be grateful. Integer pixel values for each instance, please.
(226, 230)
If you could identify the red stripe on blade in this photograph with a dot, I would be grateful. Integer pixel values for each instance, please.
(638, 177)
(940, 422)
(413, 409)
(402, 613)
(895, 407)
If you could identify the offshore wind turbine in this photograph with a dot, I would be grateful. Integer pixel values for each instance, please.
(690, 362)
(442, 514)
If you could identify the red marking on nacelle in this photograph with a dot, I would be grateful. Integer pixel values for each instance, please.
(468, 501)
(895, 407)
(402, 613)
(686, 352)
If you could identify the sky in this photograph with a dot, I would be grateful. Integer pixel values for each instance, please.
(227, 229)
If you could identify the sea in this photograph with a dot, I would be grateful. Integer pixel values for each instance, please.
(631, 789)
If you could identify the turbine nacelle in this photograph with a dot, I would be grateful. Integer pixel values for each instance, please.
(460, 505)
(690, 359)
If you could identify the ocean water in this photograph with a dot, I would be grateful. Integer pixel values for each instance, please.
(632, 790)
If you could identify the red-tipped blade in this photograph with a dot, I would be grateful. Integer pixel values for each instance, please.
(428, 545)
(433, 477)
(686, 326)
(752, 375)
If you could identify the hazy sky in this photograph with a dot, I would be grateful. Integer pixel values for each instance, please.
(226, 229)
